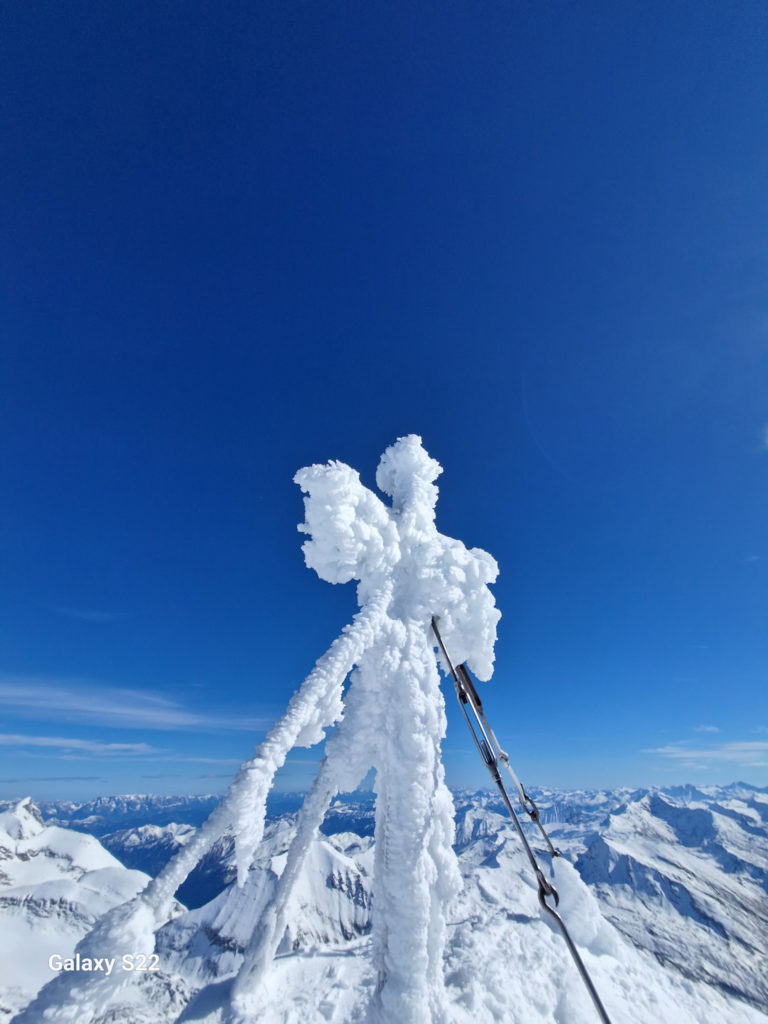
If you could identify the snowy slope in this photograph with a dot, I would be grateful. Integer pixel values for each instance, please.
(332, 907)
(695, 959)
(682, 872)
(54, 883)
(690, 883)
(503, 962)
(673, 923)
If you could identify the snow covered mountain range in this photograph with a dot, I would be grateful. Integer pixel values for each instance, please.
(672, 920)
(108, 813)
(54, 884)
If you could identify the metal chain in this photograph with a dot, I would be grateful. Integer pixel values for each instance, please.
(491, 753)
(526, 802)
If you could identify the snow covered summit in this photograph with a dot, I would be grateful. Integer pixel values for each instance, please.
(54, 884)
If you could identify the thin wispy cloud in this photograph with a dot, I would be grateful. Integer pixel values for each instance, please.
(86, 746)
(706, 728)
(764, 438)
(746, 753)
(82, 701)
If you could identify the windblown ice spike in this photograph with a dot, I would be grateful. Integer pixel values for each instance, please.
(392, 719)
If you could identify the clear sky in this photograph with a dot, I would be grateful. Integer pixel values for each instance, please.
(237, 238)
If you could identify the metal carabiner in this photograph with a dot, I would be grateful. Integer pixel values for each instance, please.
(546, 889)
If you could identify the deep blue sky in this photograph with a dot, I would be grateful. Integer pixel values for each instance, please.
(239, 238)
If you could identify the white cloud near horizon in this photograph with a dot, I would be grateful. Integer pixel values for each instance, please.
(84, 701)
(747, 753)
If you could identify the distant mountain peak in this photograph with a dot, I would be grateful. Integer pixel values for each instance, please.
(23, 821)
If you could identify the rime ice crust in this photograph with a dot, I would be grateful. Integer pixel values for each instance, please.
(353, 534)
(393, 719)
(395, 715)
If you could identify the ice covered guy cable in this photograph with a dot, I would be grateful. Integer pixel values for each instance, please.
(394, 717)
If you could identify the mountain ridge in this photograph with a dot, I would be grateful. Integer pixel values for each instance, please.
(678, 875)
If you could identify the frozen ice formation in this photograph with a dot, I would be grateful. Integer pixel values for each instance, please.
(394, 717)
(392, 720)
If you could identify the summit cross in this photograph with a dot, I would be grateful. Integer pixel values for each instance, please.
(392, 719)
(394, 716)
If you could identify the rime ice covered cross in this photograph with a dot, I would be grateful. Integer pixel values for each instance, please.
(392, 720)
(355, 535)
(394, 716)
